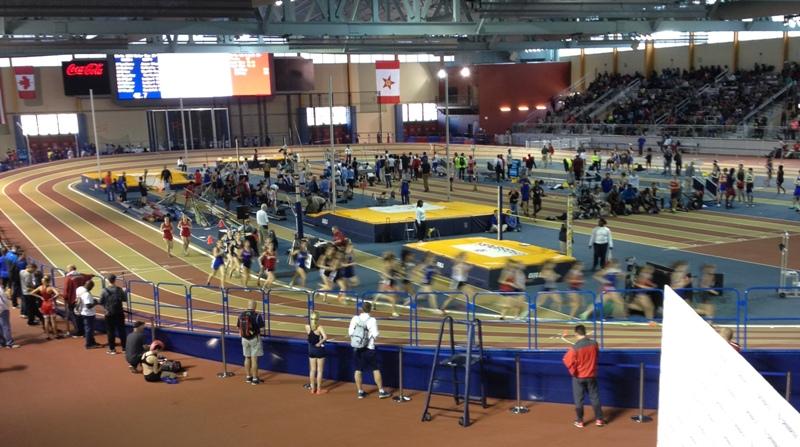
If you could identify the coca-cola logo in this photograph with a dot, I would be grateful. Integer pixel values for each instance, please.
(90, 69)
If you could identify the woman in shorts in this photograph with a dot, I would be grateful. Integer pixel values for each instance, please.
(549, 292)
(512, 280)
(316, 352)
(217, 264)
(575, 282)
(459, 274)
(679, 279)
(166, 234)
(390, 275)
(608, 278)
(327, 271)
(232, 255)
(749, 182)
(268, 261)
(48, 307)
(779, 180)
(246, 260)
(185, 227)
(642, 301)
(427, 270)
(301, 259)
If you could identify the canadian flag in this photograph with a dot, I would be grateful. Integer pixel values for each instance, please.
(387, 81)
(26, 82)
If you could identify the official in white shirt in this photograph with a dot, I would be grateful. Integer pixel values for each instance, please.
(420, 221)
(262, 220)
(85, 306)
(601, 241)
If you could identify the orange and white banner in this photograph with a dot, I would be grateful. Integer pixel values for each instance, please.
(26, 82)
(387, 81)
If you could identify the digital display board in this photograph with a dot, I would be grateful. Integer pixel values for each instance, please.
(82, 75)
(192, 75)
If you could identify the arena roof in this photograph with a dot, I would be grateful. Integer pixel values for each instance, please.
(40, 27)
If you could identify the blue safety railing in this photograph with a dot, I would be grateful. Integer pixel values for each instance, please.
(741, 314)
(401, 298)
(748, 318)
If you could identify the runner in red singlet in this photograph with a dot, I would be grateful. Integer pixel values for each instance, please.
(166, 229)
(48, 308)
(185, 226)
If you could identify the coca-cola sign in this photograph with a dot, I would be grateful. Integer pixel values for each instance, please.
(90, 69)
(83, 75)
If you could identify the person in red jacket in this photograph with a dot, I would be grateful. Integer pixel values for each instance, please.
(581, 362)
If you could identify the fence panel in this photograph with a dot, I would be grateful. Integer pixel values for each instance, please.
(175, 302)
(771, 323)
(207, 307)
(286, 308)
(142, 299)
(453, 303)
(391, 326)
(556, 312)
(505, 316)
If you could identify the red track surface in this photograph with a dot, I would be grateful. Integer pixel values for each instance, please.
(47, 400)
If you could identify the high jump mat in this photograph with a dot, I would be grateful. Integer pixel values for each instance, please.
(179, 178)
(273, 160)
(488, 256)
(390, 223)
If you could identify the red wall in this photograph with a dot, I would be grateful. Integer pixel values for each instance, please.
(514, 85)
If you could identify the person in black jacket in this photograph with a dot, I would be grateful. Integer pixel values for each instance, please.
(113, 299)
(134, 347)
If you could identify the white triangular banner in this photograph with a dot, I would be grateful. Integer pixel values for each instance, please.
(709, 395)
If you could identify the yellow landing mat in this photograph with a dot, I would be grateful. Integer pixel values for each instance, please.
(377, 215)
(243, 158)
(491, 253)
(179, 178)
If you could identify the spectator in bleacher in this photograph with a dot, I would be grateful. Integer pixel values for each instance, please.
(675, 194)
(581, 361)
(250, 323)
(112, 299)
(363, 331)
(6, 340)
(85, 306)
(607, 184)
(73, 280)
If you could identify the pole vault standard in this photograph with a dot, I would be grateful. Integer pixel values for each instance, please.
(183, 130)
(94, 129)
(333, 149)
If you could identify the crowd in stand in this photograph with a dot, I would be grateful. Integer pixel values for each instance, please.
(708, 96)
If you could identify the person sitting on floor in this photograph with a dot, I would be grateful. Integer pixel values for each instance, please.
(493, 222)
(152, 365)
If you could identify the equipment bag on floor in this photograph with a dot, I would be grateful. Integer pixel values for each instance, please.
(172, 366)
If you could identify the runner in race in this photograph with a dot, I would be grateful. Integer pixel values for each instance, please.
(166, 230)
(301, 259)
(246, 260)
(268, 260)
(217, 264)
(388, 282)
(575, 282)
(427, 270)
(458, 282)
(185, 226)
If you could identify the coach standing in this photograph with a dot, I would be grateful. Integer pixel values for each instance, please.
(601, 241)
(581, 362)
(420, 221)
(262, 220)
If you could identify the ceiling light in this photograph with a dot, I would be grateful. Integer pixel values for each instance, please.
(523, 108)
(278, 2)
(541, 107)
(441, 73)
(465, 72)
(505, 109)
